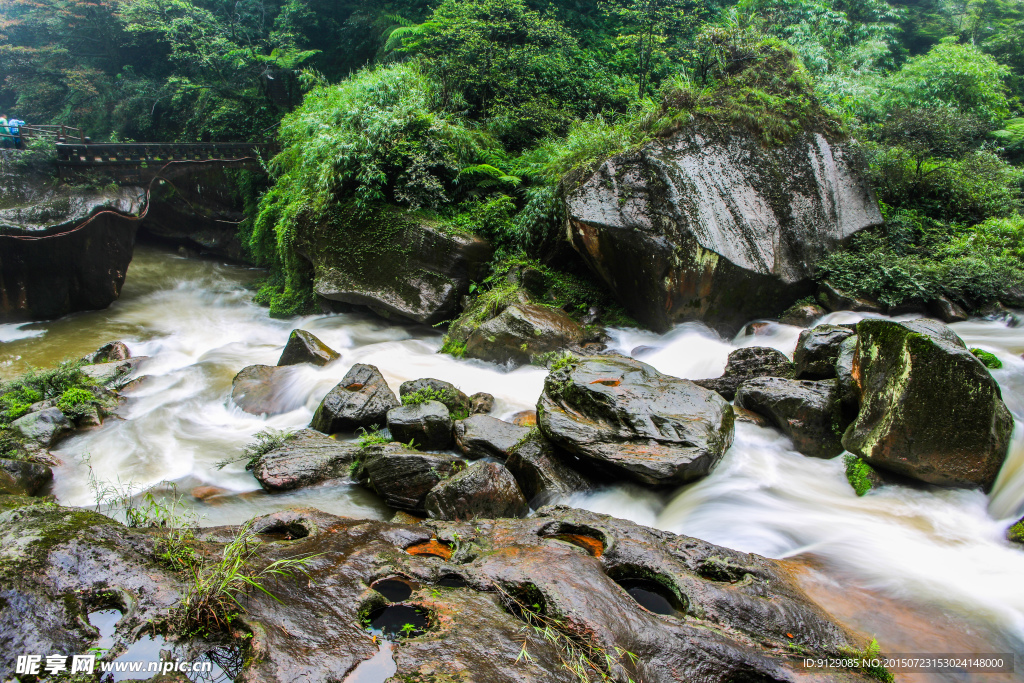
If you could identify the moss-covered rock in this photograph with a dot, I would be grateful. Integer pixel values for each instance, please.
(929, 409)
(524, 333)
(306, 347)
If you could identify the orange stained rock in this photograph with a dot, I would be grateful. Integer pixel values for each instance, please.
(431, 547)
(592, 545)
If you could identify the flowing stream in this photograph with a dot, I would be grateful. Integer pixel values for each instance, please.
(926, 570)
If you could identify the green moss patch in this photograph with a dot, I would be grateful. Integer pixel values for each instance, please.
(858, 473)
(990, 360)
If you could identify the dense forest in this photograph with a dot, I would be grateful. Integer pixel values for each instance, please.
(475, 111)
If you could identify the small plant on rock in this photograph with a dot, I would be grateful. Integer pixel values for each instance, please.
(264, 442)
(375, 436)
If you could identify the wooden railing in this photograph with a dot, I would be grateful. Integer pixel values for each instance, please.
(137, 153)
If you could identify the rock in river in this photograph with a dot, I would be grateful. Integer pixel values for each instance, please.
(263, 390)
(807, 412)
(746, 363)
(306, 458)
(427, 425)
(46, 427)
(628, 419)
(523, 332)
(304, 347)
(403, 476)
(361, 399)
(546, 472)
(482, 436)
(929, 409)
(482, 490)
(817, 350)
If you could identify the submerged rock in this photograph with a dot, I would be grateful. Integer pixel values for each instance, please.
(45, 427)
(261, 390)
(627, 419)
(304, 347)
(733, 616)
(425, 425)
(929, 409)
(394, 261)
(817, 350)
(746, 363)
(403, 476)
(483, 490)
(545, 473)
(308, 457)
(361, 399)
(483, 436)
(109, 352)
(717, 226)
(523, 332)
(806, 411)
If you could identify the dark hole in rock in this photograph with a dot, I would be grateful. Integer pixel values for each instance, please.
(452, 581)
(591, 540)
(653, 596)
(402, 621)
(285, 531)
(523, 601)
(719, 569)
(432, 547)
(394, 588)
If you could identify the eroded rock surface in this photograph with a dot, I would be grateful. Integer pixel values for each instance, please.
(483, 490)
(361, 399)
(627, 419)
(717, 226)
(306, 458)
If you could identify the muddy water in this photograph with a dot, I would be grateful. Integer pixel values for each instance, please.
(920, 553)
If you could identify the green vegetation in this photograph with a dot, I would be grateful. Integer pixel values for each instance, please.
(990, 360)
(858, 473)
(375, 436)
(1016, 532)
(264, 441)
(871, 652)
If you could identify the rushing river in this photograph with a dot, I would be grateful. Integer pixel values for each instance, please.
(924, 570)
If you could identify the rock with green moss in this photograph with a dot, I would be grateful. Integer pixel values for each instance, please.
(45, 427)
(626, 419)
(929, 409)
(1015, 534)
(711, 224)
(990, 360)
(429, 389)
(397, 262)
(806, 411)
(522, 333)
(305, 347)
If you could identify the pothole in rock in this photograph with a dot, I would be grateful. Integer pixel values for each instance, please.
(591, 540)
(285, 531)
(653, 596)
(105, 621)
(433, 548)
(452, 581)
(394, 588)
(400, 621)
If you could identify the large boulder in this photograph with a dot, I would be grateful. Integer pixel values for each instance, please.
(394, 261)
(734, 617)
(21, 477)
(109, 352)
(426, 425)
(483, 436)
(430, 389)
(361, 399)
(545, 472)
(746, 363)
(807, 412)
(929, 409)
(522, 333)
(403, 476)
(817, 350)
(482, 490)
(306, 458)
(45, 427)
(263, 390)
(717, 226)
(628, 419)
(305, 347)
(112, 373)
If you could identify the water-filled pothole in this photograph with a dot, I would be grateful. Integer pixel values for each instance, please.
(433, 547)
(402, 621)
(452, 581)
(653, 596)
(394, 588)
(105, 621)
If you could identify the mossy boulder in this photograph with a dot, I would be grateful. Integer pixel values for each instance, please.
(711, 224)
(627, 419)
(397, 262)
(23, 477)
(806, 411)
(524, 333)
(430, 389)
(929, 409)
(305, 347)
(306, 458)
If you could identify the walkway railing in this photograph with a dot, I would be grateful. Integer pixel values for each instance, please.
(120, 154)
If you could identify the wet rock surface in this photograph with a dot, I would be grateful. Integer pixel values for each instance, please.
(522, 332)
(402, 476)
(717, 227)
(361, 399)
(806, 411)
(45, 427)
(260, 390)
(113, 372)
(545, 472)
(929, 409)
(743, 613)
(627, 419)
(817, 350)
(746, 363)
(426, 425)
(452, 397)
(482, 490)
(801, 315)
(307, 457)
(305, 347)
(22, 477)
(109, 352)
(481, 403)
(482, 436)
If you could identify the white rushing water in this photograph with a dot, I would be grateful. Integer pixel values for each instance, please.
(195, 322)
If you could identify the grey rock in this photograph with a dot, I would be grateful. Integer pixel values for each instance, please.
(807, 412)
(427, 425)
(305, 347)
(746, 363)
(801, 315)
(308, 457)
(947, 311)
(113, 372)
(361, 399)
(402, 476)
(849, 394)
(482, 490)
(458, 404)
(523, 332)
(817, 350)
(45, 427)
(628, 419)
(21, 477)
(481, 403)
(715, 226)
(109, 352)
(545, 472)
(483, 436)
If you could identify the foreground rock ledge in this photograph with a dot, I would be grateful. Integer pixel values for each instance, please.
(744, 619)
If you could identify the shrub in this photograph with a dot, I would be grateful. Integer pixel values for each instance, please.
(75, 402)
(373, 437)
